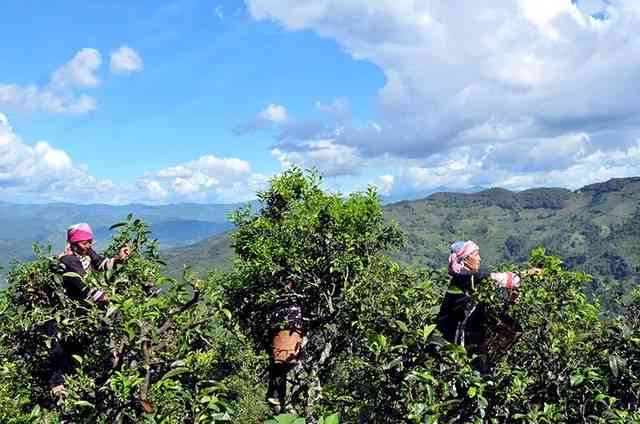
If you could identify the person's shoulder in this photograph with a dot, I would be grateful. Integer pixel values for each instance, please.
(71, 263)
(483, 273)
(69, 259)
(96, 258)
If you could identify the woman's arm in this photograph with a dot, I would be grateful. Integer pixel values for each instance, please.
(101, 264)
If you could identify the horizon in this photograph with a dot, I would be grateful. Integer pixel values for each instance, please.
(185, 101)
(390, 199)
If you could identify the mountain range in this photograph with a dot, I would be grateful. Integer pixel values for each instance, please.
(595, 229)
(174, 225)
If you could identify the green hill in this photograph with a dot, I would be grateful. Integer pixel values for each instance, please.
(594, 229)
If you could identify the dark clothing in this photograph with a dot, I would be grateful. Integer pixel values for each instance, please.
(75, 287)
(62, 350)
(460, 319)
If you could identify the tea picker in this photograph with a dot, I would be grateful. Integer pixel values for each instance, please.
(79, 259)
(287, 338)
(466, 322)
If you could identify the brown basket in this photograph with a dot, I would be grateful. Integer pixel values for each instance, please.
(502, 333)
(285, 346)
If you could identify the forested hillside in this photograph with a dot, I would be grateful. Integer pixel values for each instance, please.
(595, 229)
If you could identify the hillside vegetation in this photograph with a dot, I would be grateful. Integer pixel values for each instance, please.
(194, 351)
(595, 230)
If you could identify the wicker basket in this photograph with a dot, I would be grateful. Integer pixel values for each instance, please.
(502, 333)
(285, 346)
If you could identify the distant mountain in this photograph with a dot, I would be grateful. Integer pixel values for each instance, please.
(595, 229)
(174, 225)
(409, 195)
(214, 253)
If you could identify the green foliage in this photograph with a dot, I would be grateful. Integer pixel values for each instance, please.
(311, 249)
(159, 351)
(595, 230)
(192, 350)
(569, 365)
(318, 243)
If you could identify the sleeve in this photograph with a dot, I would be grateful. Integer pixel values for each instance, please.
(483, 273)
(505, 280)
(100, 263)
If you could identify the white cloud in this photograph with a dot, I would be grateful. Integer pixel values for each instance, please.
(59, 96)
(31, 98)
(329, 158)
(154, 190)
(80, 71)
(125, 60)
(207, 178)
(339, 109)
(385, 184)
(43, 172)
(274, 113)
(499, 77)
(578, 163)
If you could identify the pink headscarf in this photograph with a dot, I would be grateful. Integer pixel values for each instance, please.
(76, 233)
(459, 252)
(79, 232)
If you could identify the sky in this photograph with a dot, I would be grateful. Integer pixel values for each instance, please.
(205, 101)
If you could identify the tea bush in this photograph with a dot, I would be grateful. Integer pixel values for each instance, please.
(159, 351)
(195, 350)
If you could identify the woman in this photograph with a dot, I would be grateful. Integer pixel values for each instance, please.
(461, 320)
(286, 344)
(80, 258)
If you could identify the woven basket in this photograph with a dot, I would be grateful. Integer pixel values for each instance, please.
(285, 346)
(502, 333)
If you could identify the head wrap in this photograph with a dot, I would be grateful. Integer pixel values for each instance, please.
(79, 232)
(460, 250)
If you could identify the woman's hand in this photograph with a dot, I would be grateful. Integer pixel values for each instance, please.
(98, 296)
(123, 254)
(532, 271)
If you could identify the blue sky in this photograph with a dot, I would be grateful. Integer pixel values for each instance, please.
(195, 100)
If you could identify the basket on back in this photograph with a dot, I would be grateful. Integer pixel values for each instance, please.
(503, 331)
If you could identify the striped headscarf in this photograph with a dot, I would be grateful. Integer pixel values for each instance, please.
(460, 250)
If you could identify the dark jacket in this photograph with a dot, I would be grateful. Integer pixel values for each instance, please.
(74, 286)
(458, 311)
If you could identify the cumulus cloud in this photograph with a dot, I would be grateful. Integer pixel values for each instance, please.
(272, 114)
(385, 184)
(58, 96)
(32, 98)
(338, 110)
(467, 168)
(125, 60)
(42, 172)
(531, 85)
(208, 178)
(324, 155)
(80, 71)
